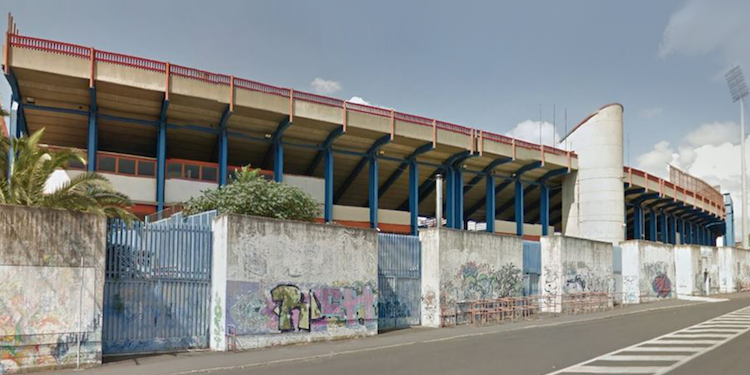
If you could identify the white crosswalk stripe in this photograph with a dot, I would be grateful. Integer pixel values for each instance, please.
(665, 353)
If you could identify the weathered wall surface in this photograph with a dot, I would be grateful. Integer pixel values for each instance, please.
(648, 271)
(574, 265)
(742, 277)
(288, 282)
(699, 269)
(460, 266)
(727, 269)
(43, 285)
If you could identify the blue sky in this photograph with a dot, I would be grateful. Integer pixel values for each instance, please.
(479, 64)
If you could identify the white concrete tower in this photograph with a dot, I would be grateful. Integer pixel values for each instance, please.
(593, 197)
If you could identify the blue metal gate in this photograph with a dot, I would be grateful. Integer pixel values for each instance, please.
(157, 287)
(532, 267)
(399, 281)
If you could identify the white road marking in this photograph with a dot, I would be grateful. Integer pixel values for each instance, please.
(723, 329)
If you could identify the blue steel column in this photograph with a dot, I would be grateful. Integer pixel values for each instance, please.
(458, 209)
(519, 206)
(672, 229)
(664, 228)
(278, 161)
(224, 145)
(93, 133)
(544, 208)
(489, 203)
(693, 234)
(450, 201)
(223, 156)
(637, 222)
(328, 175)
(681, 228)
(652, 225)
(414, 196)
(374, 191)
(161, 155)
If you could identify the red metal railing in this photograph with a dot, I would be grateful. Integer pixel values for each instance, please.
(50, 46)
(221, 79)
(370, 110)
(200, 75)
(717, 203)
(318, 99)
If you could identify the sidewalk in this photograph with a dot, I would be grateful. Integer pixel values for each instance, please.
(196, 362)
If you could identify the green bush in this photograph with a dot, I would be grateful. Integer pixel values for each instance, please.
(251, 194)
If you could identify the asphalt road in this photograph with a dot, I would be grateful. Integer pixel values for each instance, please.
(532, 351)
(541, 347)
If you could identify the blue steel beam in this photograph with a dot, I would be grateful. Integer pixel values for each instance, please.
(328, 172)
(15, 96)
(327, 143)
(161, 155)
(458, 190)
(427, 147)
(278, 150)
(517, 175)
(634, 191)
(519, 194)
(664, 228)
(498, 189)
(223, 140)
(92, 143)
(488, 169)
(380, 142)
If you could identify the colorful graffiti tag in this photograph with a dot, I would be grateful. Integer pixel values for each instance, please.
(662, 286)
(481, 281)
(292, 308)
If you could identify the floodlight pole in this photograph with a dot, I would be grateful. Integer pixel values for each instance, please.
(743, 225)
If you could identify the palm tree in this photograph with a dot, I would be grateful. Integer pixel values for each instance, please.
(23, 180)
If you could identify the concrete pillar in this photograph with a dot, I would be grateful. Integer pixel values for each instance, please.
(594, 197)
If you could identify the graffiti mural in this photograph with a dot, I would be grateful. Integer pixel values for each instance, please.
(631, 293)
(481, 281)
(288, 308)
(579, 278)
(662, 286)
(290, 302)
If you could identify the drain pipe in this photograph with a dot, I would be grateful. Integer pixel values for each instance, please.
(439, 200)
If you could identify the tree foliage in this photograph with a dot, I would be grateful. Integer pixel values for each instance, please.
(23, 180)
(251, 194)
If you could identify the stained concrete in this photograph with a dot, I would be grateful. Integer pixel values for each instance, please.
(460, 266)
(648, 271)
(46, 295)
(281, 282)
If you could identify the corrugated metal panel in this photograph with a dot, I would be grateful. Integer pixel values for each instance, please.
(399, 280)
(157, 287)
(532, 257)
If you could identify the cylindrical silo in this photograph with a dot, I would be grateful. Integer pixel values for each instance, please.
(593, 196)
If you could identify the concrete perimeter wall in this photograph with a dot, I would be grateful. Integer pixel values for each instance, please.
(574, 265)
(44, 287)
(459, 266)
(282, 282)
(648, 271)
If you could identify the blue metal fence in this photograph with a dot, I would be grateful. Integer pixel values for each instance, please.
(399, 281)
(157, 287)
(532, 267)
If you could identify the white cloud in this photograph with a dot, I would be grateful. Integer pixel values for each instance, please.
(652, 112)
(325, 86)
(715, 133)
(358, 100)
(711, 153)
(703, 27)
(529, 131)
